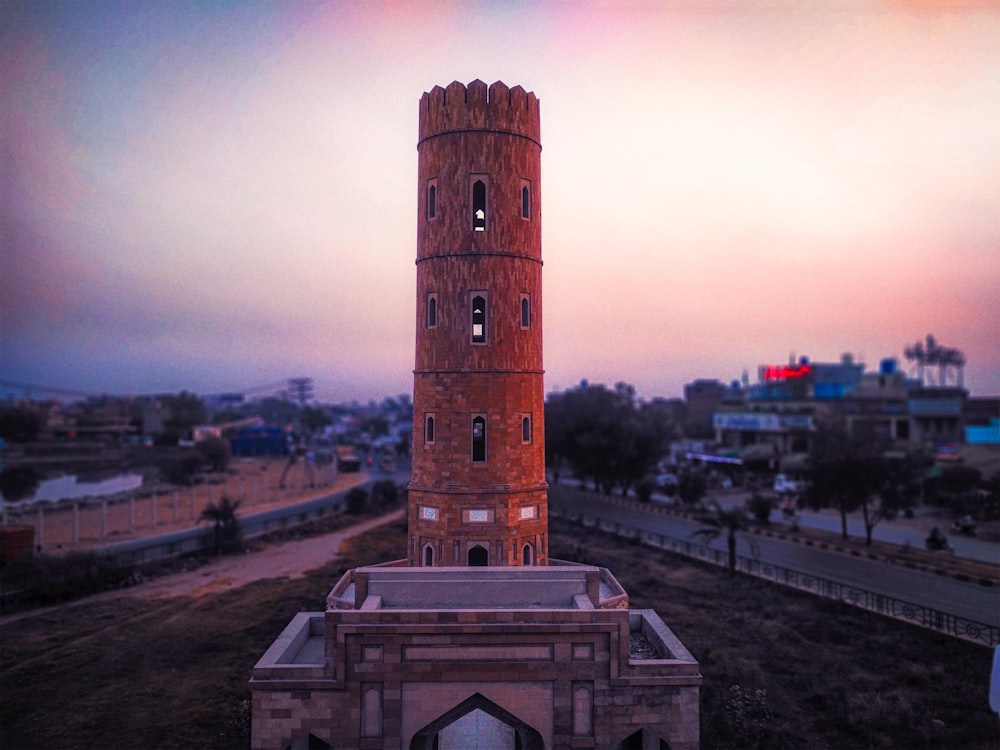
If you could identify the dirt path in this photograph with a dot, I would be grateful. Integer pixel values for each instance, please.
(281, 560)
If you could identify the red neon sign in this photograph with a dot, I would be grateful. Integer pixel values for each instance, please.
(784, 372)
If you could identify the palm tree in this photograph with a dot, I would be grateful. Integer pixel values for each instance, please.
(728, 521)
(223, 515)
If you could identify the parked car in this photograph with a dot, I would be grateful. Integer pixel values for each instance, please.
(784, 485)
(663, 481)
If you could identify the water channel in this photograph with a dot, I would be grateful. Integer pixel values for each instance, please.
(70, 486)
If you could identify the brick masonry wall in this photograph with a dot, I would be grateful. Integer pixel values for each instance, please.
(488, 134)
(530, 663)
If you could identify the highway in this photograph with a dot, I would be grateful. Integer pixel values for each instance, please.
(968, 600)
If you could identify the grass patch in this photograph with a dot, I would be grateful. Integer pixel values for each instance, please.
(809, 673)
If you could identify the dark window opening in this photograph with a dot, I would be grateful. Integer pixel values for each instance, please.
(526, 555)
(525, 203)
(479, 206)
(428, 556)
(525, 312)
(309, 742)
(479, 440)
(479, 319)
(479, 557)
(525, 429)
(432, 201)
(432, 311)
(429, 430)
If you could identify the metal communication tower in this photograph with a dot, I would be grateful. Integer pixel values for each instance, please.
(931, 354)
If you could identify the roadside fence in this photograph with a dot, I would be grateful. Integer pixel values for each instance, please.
(898, 609)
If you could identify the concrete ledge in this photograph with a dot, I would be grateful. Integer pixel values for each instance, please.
(297, 653)
(545, 587)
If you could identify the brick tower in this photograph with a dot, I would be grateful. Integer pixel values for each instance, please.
(478, 490)
(442, 653)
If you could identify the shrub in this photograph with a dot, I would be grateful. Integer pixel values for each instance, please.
(357, 499)
(385, 494)
(760, 507)
(183, 469)
(215, 452)
(644, 489)
(227, 533)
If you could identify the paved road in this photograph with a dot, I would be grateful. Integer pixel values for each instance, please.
(900, 531)
(968, 600)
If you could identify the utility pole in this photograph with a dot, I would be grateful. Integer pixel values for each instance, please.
(301, 389)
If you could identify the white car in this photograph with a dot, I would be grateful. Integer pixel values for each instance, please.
(785, 486)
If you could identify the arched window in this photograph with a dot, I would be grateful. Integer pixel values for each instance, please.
(525, 202)
(431, 200)
(479, 556)
(432, 310)
(479, 206)
(526, 429)
(527, 556)
(371, 713)
(429, 556)
(429, 429)
(478, 439)
(478, 312)
(525, 311)
(583, 710)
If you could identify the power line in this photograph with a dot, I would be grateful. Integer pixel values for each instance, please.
(29, 388)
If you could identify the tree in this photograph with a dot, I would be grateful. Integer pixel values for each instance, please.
(357, 499)
(313, 419)
(850, 472)
(226, 526)
(760, 507)
(898, 489)
(835, 478)
(385, 494)
(725, 521)
(184, 412)
(215, 452)
(605, 435)
(18, 483)
(229, 414)
(692, 485)
(644, 489)
(182, 469)
(20, 424)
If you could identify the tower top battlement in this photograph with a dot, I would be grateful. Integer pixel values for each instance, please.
(496, 108)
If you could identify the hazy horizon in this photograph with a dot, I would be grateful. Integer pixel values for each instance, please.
(217, 196)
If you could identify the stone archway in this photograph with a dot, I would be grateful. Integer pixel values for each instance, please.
(643, 740)
(477, 723)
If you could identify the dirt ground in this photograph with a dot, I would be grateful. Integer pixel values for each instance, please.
(276, 560)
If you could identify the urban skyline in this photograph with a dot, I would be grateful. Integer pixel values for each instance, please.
(214, 197)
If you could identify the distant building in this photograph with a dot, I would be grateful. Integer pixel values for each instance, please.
(776, 421)
(982, 421)
(702, 399)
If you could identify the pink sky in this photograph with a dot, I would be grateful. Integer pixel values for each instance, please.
(216, 196)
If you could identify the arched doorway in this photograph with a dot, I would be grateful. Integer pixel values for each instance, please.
(308, 742)
(479, 723)
(479, 556)
(639, 740)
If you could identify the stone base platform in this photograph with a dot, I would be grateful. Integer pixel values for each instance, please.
(500, 657)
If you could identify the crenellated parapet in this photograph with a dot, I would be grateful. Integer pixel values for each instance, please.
(496, 108)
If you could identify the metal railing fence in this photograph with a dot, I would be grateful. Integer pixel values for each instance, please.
(889, 606)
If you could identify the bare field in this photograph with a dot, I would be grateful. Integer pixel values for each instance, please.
(129, 672)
